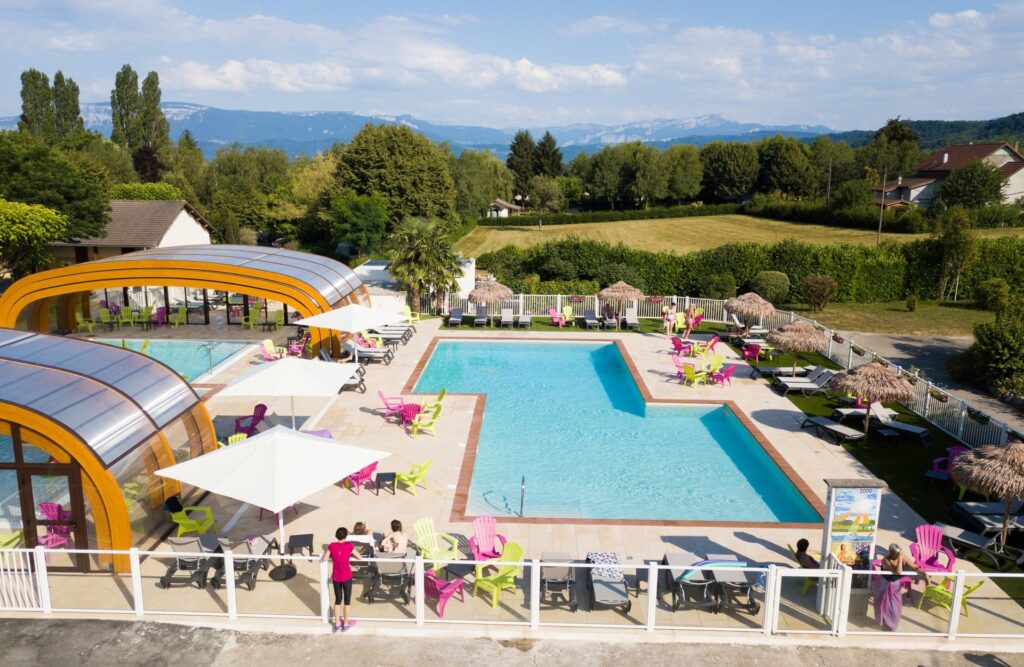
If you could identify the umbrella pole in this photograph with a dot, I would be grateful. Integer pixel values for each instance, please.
(280, 528)
(293, 412)
(1006, 518)
(867, 420)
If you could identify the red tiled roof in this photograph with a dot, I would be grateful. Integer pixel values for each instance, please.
(960, 155)
(1011, 168)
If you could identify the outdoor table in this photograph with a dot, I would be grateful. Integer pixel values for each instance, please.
(409, 412)
(732, 580)
(458, 570)
(300, 542)
(385, 478)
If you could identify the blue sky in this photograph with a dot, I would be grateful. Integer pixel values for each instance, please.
(846, 65)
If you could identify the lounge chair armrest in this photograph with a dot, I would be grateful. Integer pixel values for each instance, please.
(501, 538)
(450, 539)
(950, 556)
(205, 511)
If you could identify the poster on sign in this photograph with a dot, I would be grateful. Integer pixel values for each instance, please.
(854, 523)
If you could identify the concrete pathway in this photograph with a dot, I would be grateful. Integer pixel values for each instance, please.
(88, 642)
(929, 353)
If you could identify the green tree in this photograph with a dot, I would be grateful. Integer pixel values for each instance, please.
(730, 169)
(549, 157)
(153, 127)
(359, 220)
(145, 191)
(25, 232)
(67, 114)
(606, 174)
(974, 186)
(959, 246)
(37, 116)
(522, 160)
(572, 189)
(581, 166)
(405, 167)
(850, 195)
(546, 194)
(237, 187)
(648, 177)
(186, 168)
(784, 167)
(894, 149)
(835, 156)
(125, 105)
(33, 173)
(114, 159)
(682, 165)
(422, 257)
(479, 178)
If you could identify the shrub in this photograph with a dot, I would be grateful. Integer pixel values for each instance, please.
(818, 289)
(773, 286)
(613, 273)
(997, 357)
(718, 286)
(992, 294)
(997, 215)
(912, 302)
(556, 268)
(1011, 386)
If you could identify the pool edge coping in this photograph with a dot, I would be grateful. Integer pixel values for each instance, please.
(461, 499)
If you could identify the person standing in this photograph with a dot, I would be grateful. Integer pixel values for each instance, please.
(668, 318)
(341, 553)
(888, 587)
(690, 315)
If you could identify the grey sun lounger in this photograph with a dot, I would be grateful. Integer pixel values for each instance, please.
(889, 421)
(369, 353)
(590, 319)
(480, 318)
(782, 371)
(631, 320)
(506, 318)
(842, 414)
(812, 375)
(525, 321)
(557, 579)
(689, 592)
(832, 430)
(607, 583)
(808, 388)
(967, 542)
(455, 317)
(970, 508)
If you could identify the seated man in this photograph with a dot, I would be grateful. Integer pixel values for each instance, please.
(395, 541)
(805, 559)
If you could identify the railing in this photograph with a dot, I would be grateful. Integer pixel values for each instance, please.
(953, 415)
(760, 599)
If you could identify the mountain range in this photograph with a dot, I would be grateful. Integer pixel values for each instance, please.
(313, 131)
(310, 132)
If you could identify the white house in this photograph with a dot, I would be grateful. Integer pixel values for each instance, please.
(138, 225)
(502, 209)
(923, 186)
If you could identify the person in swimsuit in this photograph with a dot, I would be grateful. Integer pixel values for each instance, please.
(690, 315)
(341, 553)
(669, 319)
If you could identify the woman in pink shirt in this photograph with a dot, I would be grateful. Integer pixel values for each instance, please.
(341, 552)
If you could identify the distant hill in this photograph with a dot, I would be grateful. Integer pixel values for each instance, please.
(313, 131)
(938, 133)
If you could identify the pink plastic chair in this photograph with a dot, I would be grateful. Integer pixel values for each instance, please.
(441, 590)
(298, 348)
(906, 582)
(927, 549)
(724, 375)
(556, 318)
(944, 464)
(247, 425)
(678, 361)
(680, 347)
(485, 538)
(710, 347)
(392, 406)
(752, 351)
(56, 536)
(267, 357)
(357, 479)
(696, 320)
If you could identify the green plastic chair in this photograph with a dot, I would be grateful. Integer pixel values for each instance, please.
(715, 364)
(126, 317)
(436, 403)
(430, 543)
(146, 314)
(106, 320)
(186, 524)
(248, 321)
(567, 315)
(416, 475)
(179, 316)
(144, 348)
(504, 578)
(425, 421)
(693, 377)
(942, 596)
(233, 439)
(409, 315)
(680, 322)
(809, 582)
(278, 318)
(84, 322)
(10, 540)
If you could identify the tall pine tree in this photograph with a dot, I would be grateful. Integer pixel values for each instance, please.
(67, 114)
(155, 132)
(522, 160)
(549, 157)
(125, 102)
(37, 106)
(139, 122)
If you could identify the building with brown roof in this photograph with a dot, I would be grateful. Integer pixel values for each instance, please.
(138, 225)
(922, 187)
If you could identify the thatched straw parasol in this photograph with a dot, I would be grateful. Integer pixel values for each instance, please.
(874, 382)
(996, 470)
(749, 305)
(620, 293)
(797, 337)
(490, 291)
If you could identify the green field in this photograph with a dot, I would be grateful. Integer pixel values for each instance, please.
(932, 318)
(682, 234)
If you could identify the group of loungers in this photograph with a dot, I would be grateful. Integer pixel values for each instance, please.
(590, 320)
(976, 527)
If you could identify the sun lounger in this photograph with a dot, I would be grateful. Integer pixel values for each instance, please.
(506, 318)
(557, 578)
(993, 523)
(590, 320)
(807, 387)
(455, 318)
(967, 542)
(481, 316)
(832, 430)
(192, 569)
(631, 320)
(782, 371)
(607, 583)
(842, 414)
(977, 507)
(392, 576)
(525, 321)
(371, 353)
(780, 374)
(889, 421)
(690, 589)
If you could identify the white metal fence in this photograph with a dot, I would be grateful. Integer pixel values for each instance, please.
(761, 599)
(951, 414)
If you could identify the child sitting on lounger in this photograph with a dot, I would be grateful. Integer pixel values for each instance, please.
(805, 559)
(395, 541)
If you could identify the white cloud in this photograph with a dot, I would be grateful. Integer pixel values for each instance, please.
(601, 23)
(968, 17)
(252, 74)
(72, 42)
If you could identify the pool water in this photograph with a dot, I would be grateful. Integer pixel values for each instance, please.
(569, 417)
(189, 358)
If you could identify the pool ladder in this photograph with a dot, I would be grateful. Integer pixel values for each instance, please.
(209, 354)
(522, 495)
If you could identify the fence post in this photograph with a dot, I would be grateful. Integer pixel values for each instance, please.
(954, 613)
(830, 341)
(792, 317)
(1004, 433)
(961, 420)
(927, 399)
(771, 601)
(325, 599)
(849, 354)
(229, 579)
(843, 610)
(558, 303)
(521, 311)
(418, 578)
(652, 594)
(136, 570)
(686, 302)
(534, 594)
(43, 581)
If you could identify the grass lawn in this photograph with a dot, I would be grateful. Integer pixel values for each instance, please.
(932, 318)
(682, 234)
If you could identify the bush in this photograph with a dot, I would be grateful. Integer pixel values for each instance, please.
(773, 286)
(912, 302)
(1011, 386)
(718, 286)
(996, 360)
(997, 215)
(556, 268)
(613, 273)
(992, 294)
(818, 289)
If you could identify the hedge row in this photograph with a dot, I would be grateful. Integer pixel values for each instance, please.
(864, 273)
(532, 219)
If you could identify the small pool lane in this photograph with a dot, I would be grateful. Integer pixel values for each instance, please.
(189, 358)
(569, 417)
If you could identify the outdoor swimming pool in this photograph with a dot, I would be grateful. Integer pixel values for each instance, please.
(569, 417)
(190, 358)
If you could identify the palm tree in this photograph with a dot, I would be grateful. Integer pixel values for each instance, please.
(422, 257)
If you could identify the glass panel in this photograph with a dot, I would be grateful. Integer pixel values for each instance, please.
(990, 608)
(866, 613)
(258, 592)
(11, 527)
(6, 443)
(142, 490)
(97, 589)
(808, 602)
(511, 605)
(707, 598)
(385, 588)
(182, 583)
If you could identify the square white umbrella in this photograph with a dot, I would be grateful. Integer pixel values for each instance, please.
(274, 469)
(353, 318)
(292, 377)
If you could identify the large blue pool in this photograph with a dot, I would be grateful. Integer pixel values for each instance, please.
(190, 358)
(569, 417)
